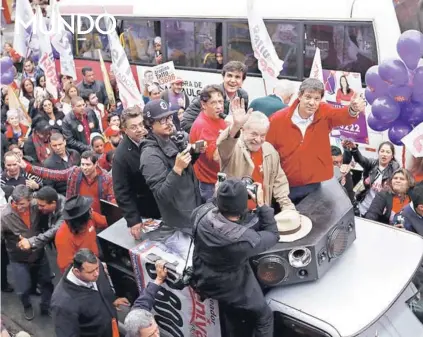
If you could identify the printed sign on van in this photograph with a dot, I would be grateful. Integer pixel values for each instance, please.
(340, 87)
(164, 74)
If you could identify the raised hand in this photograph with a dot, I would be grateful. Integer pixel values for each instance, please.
(358, 103)
(239, 115)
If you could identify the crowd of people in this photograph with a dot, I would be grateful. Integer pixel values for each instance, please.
(246, 161)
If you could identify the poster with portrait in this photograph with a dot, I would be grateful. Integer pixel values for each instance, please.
(340, 87)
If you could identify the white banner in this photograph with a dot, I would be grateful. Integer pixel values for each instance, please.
(316, 68)
(128, 90)
(46, 62)
(164, 74)
(61, 42)
(414, 141)
(23, 16)
(268, 60)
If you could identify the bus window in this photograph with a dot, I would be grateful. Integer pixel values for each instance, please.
(239, 46)
(286, 326)
(286, 39)
(342, 47)
(192, 44)
(409, 14)
(138, 38)
(88, 44)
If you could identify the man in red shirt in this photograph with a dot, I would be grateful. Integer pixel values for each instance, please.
(207, 127)
(77, 231)
(300, 133)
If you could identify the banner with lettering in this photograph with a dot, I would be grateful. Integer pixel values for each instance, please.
(164, 74)
(46, 62)
(268, 60)
(129, 94)
(414, 141)
(62, 42)
(340, 87)
(22, 35)
(179, 313)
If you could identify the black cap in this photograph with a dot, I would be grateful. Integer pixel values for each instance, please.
(41, 125)
(232, 197)
(157, 109)
(76, 206)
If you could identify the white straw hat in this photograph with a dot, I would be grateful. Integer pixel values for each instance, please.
(292, 226)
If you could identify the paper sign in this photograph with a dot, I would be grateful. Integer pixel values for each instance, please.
(414, 141)
(164, 74)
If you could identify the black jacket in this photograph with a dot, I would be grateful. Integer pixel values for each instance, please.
(192, 112)
(83, 312)
(132, 194)
(76, 139)
(176, 196)
(370, 169)
(381, 207)
(30, 151)
(222, 251)
(98, 87)
(54, 162)
(56, 125)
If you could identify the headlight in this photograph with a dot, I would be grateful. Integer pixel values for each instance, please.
(299, 257)
(271, 270)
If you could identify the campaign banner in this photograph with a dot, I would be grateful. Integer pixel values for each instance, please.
(316, 70)
(414, 141)
(340, 87)
(128, 90)
(179, 313)
(164, 74)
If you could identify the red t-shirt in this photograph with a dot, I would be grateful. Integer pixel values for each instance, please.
(90, 189)
(207, 129)
(258, 175)
(67, 243)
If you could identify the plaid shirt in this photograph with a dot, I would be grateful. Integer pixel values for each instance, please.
(74, 176)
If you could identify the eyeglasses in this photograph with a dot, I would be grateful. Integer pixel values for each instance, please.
(216, 103)
(135, 127)
(166, 120)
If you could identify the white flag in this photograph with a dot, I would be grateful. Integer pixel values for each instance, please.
(24, 19)
(268, 60)
(128, 90)
(61, 42)
(316, 68)
(46, 62)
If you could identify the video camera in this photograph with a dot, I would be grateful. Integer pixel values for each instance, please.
(247, 181)
(184, 146)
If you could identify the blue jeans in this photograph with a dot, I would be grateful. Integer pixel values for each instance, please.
(22, 281)
(298, 193)
(206, 191)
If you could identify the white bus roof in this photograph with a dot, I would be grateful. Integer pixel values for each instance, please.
(362, 284)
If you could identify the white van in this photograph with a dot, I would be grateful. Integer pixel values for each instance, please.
(368, 293)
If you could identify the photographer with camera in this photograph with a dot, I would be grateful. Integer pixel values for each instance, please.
(225, 238)
(244, 152)
(166, 164)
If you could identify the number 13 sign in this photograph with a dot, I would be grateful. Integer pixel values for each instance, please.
(414, 141)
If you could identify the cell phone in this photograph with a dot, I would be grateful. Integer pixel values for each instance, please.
(198, 145)
(188, 148)
(221, 177)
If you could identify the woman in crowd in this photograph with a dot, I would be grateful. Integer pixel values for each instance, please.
(27, 95)
(70, 92)
(40, 87)
(153, 92)
(15, 131)
(344, 93)
(391, 201)
(376, 172)
(51, 114)
(113, 120)
(97, 143)
(4, 105)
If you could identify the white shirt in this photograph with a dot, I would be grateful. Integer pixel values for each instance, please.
(302, 123)
(72, 277)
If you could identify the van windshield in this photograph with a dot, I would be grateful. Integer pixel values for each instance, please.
(415, 303)
(286, 326)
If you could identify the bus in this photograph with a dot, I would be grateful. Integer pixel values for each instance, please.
(353, 35)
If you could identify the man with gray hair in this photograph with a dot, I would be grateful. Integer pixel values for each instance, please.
(300, 133)
(140, 322)
(282, 94)
(247, 153)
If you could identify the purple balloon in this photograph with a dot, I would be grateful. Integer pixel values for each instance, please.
(398, 131)
(417, 95)
(409, 47)
(400, 93)
(7, 77)
(412, 113)
(374, 82)
(385, 109)
(394, 72)
(5, 64)
(376, 124)
(370, 95)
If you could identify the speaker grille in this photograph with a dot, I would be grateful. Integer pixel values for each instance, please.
(272, 270)
(338, 241)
